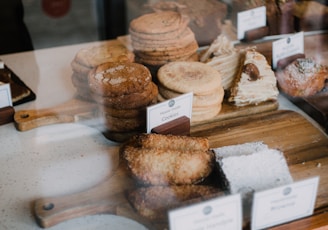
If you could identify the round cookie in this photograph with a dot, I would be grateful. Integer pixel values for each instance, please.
(124, 124)
(79, 68)
(184, 77)
(180, 41)
(111, 51)
(124, 113)
(212, 98)
(158, 23)
(130, 101)
(120, 136)
(114, 79)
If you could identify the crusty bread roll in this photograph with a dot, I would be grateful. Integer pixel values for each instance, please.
(155, 201)
(168, 159)
(302, 78)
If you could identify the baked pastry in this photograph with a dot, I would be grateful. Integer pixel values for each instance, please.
(302, 78)
(157, 159)
(170, 142)
(177, 78)
(224, 57)
(90, 57)
(122, 90)
(115, 79)
(108, 51)
(205, 16)
(154, 202)
(161, 37)
(255, 82)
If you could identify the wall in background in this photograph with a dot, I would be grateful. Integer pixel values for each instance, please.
(79, 24)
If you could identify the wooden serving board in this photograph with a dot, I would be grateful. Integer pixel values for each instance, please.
(73, 110)
(76, 110)
(305, 148)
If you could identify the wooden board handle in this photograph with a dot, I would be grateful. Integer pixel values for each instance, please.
(67, 112)
(54, 210)
(102, 198)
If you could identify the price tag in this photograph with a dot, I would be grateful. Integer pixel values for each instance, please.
(250, 19)
(287, 47)
(284, 204)
(5, 96)
(169, 110)
(219, 213)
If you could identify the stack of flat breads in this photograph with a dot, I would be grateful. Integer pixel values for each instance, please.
(123, 90)
(176, 78)
(88, 58)
(161, 37)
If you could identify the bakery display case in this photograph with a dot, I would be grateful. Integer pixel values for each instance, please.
(76, 152)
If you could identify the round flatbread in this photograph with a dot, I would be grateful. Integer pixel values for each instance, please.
(211, 99)
(158, 23)
(184, 77)
(186, 37)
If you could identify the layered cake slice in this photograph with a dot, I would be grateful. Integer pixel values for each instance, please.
(255, 83)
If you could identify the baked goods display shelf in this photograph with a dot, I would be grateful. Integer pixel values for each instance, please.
(305, 148)
(304, 145)
(315, 46)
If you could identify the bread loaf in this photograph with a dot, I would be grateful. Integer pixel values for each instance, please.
(156, 159)
(302, 78)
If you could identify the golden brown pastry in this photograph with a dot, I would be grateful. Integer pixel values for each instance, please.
(162, 160)
(302, 78)
(170, 142)
(153, 202)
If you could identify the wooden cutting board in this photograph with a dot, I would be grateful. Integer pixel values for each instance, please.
(305, 148)
(77, 110)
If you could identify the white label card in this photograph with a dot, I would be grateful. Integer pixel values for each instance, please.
(5, 96)
(250, 19)
(284, 204)
(169, 110)
(287, 47)
(219, 213)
